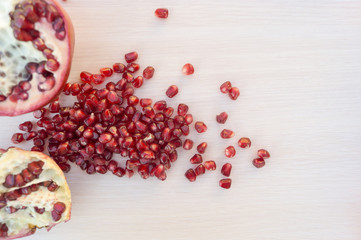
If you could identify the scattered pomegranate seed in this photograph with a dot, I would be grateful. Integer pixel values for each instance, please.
(131, 57)
(97, 79)
(226, 169)
(225, 183)
(258, 162)
(161, 12)
(210, 165)
(188, 69)
(172, 91)
(244, 142)
(107, 72)
(191, 175)
(226, 87)
(234, 93)
(17, 138)
(148, 72)
(200, 169)
(196, 159)
(26, 126)
(222, 118)
(200, 127)
(226, 133)
(188, 144)
(85, 77)
(119, 67)
(201, 148)
(262, 153)
(182, 109)
(230, 152)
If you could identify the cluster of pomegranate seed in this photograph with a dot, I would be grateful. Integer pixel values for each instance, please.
(233, 92)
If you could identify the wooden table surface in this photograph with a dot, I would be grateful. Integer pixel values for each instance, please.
(298, 66)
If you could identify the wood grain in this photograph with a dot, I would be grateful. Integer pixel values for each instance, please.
(297, 64)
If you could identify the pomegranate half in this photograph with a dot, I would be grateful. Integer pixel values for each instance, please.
(33, 193)
(36, 49)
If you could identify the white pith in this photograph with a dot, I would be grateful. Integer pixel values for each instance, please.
(14, 161)
(7, 39)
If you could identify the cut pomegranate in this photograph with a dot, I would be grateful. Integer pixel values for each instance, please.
(234, 93)
(39, 192)
(210, 165)
(201, 148)
(225, 183)
(200, 127)
(259, 162)
(226, 133)
(262, 153)
(33, 74)
(222, 118)
(244, 142)
(226, 87)
(188, 69)
(161, 13)
(230, 152)
(226, 169)
(172, 91)
(191, 175)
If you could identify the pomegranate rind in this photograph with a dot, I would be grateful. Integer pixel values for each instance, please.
(8, 109)
(9, 162)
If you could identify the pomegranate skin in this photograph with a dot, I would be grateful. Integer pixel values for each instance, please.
(33, 104)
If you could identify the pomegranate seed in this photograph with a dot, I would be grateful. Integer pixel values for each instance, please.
(188, 69)
(190, 175)
(200, 169)
(148, 72)
(172, 91)
(244, 142)
(39, 113)
(120, 172)
(29, 135)
(200, 127)
(97, 79)
(107, 72)
(188, 144)
(161, 12)
(234, 93)
(101, 169)
(113, 97)
(119, 67)
(129, 172)
(138, 82)
(132, 100)
(133, 67)
(210, 165)
(262, 153)
(225, 183)
(144, 102)
(85, 77)
(160, 105)
(201, 148)
(226, 87)
(226, 133)
(26, 126)
(143, 171)
(230, 152)
(105, 137)
(196, 159)
(226, 169)
(17, 138)
(9, 181)
(182, 109)
(222, 117)
(131, 57)
(54, 107)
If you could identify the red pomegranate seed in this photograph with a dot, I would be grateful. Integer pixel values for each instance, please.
(120, 172)
(39, 113)
(119, 67)
(234, 93)
(210, 165)
(226, 87)
(226, 133)
(129, 172)
(200, 169)
(85, 77)
(17, 138)
(262, 153)
(160, 105)
(133, 67)
(131, 57)
(148, 72)
(54, 107)
(244, 142)
(97, 79)
(188, 69)
(26, 126)
(161, 12)
(132, 100)
(188, 144)
(144, 102)
(201, 148)
(226, 169)
(101, 169)
(138, 82)
(230, 152)
(105, 137)
(29, 135)
(258, 162)
(182, 109)
(190, 175)
(200, 127)
(188, 118)
(172, 91)
(225, 183)
(222, 117)
(196, 159)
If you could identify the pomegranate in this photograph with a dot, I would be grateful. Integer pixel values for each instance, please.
(37, 40)
(161, 12)
(33, 193)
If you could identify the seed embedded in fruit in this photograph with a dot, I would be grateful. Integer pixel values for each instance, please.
(172, 91)
(200, 127)
(226, 169)
(201, 148)
(222, 118)
(190, 175)
(262, 153)
(188, 69)
(244, 142)
(258, 162)
(226, 87)
(225, 183)
(230, 152)
(210, 165)
(161, 12)
(226, 133)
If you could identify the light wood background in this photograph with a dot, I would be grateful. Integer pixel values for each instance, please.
(298, 66)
